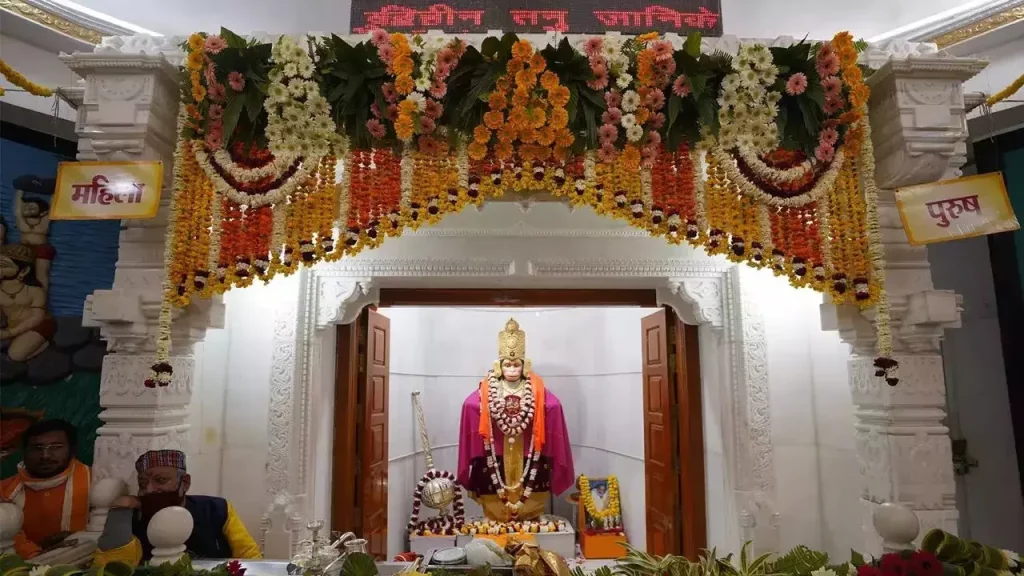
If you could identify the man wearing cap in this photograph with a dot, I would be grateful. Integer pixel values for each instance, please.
(217, 532)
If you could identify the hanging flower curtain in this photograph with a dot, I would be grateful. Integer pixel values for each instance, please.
(291, 154)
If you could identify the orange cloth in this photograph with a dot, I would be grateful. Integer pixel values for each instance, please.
(43, 506)
(537, 383)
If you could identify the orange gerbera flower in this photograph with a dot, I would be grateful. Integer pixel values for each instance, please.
(559, 96)
(403, 127)
(537, 117)
(521, 97)
(526, 78)
(631, 157)
(549, 80)
(645, 38)
(508, 133)
(564, 138)
(859, 95)
(494, 119)
(546, 136)
(481, 134)
(514, 66)
(852, 75)
(476, 150)
(497, 101)
(559, 117)
(642, 114)
(528, 136)
(522, 50)
(503, 84)
(402, 65)
(503, 150)
(407, 106)
(404, 84)
(537, 62)
(560, 154)
(518, 117)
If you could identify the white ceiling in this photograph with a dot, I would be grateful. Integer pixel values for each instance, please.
(817, 19)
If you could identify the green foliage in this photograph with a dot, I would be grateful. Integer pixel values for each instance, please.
(351, 79)
(638, 563)
(359, 564)
(963, 557)
(473, 80)
(799, 561)
(686, 115)
(800, 117)
(585, 103)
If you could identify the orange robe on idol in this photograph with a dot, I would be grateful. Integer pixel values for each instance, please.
(50, 506)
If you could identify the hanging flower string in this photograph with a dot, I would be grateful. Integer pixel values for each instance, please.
(299, 152)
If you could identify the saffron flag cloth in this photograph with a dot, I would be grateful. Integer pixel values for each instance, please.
(49, 506)
(556, 471)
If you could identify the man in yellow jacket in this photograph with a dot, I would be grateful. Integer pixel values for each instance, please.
(217, 532)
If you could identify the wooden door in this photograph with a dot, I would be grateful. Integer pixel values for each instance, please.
(690, 425)
(661, 476)
(373, 446)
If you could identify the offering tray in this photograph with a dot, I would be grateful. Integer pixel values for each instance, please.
(435, 561)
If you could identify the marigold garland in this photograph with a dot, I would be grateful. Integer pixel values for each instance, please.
(246, 210)
(16, 78)
(611, 509)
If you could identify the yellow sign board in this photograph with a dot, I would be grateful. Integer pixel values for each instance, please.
(956, 209)
(107, 190)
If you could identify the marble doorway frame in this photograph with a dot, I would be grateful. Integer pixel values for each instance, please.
(701, 290)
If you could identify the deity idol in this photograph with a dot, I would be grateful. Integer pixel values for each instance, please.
(513, 445)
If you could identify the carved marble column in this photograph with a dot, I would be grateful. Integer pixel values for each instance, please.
(903, 445)
(127, 110)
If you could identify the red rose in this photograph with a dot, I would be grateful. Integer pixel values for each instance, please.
(235, 568)
(893, 565)
(925, 564)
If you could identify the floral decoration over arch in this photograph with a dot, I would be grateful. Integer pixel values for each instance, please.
(293, 153)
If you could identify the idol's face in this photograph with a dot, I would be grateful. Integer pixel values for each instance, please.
(511, 370)
(30, 210)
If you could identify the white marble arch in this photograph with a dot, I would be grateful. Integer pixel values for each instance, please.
(545, 245)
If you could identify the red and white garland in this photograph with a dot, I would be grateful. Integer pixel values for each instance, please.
(444, 525)
(512, 426)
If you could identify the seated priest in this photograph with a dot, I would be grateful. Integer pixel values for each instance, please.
(51, 486)
(217, 532)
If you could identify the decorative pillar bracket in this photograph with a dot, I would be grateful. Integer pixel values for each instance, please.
(903, 447)
(127, 110)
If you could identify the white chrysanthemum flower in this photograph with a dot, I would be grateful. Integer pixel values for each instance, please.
(277, 93)
(619, 62)
(774, 98)
(730, 83)
(728, 98)
(422, 84)
(750, 77)
(634, 133)
(296, 88)
(275, 75)
(290, 70)
(305, 68)
(1012, 558)
(624, 79)
(630, 101)
(628, 121)
(762, 59)
(739, 113)
(419, 99)
(823, 572)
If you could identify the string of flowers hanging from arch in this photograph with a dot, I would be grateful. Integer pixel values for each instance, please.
(293, 154)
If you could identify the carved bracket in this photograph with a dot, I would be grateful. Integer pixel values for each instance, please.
(339, 300)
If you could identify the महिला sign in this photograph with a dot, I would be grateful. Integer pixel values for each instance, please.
(107, 190)
(956, 209)
(539, 16)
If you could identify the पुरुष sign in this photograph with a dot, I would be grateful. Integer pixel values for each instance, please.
(107, 190)
(538, 16)
(956, 209)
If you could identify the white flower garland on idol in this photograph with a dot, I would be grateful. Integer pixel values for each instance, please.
(747, 108)
(820, 188)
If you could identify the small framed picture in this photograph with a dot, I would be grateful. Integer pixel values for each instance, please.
(601, 506)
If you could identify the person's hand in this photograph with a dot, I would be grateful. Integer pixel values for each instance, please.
(126, 502)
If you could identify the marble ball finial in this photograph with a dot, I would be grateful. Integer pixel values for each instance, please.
(105, 491)
(170, 528)
(11, 518)
(897, 525)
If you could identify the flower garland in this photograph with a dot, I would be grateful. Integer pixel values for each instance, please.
(611, 509)
(747, 107)
(447, 524)
(16, 78)
(494, 527)
(298, 117)
(511, 427)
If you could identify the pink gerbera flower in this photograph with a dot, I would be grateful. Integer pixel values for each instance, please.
(832, 86)
(216, 112)
(600, 80)
(833, 105)
(657, 121)
(655, 99)
(593, 46)
(438, 88)
(797, 84)
(388, 89)
(611, 116)
(607, 152)
(648, 153)
(681, 87)
(214, 139)
(653, 138)
(217, 92)
(446, 58)
(612, 98)
(393, 112)
(210, 74)
(608, 134)
(662, 50)
(214, 44)
(237, 81)
(665, 68)
(380, 37)
(433, 109)
(376, 128)
(824, 152)
(828, 65)
(427, 124)
(829, 136)
(386, 53)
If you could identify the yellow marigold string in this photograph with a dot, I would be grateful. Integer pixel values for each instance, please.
(612, 507)
(16, 78)
(1005, 92)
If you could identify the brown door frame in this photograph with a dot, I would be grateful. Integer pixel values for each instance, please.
(345, 498)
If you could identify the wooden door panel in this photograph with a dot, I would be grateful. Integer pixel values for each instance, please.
(691, 441)
(374, 446)
(661, 478)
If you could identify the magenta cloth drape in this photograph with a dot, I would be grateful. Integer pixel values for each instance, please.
(556, 446)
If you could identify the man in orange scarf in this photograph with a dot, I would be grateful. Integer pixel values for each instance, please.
(51, 487)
